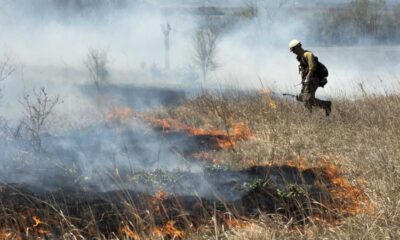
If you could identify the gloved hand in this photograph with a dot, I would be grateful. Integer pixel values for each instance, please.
(299, 97)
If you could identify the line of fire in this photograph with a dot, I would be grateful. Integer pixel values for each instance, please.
(218, 119)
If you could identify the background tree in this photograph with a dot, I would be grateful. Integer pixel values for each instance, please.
(264, 13)
(37, 109)
(366, 16)
(205, 46)
(6, 69)
(361, 21)
(96, 64)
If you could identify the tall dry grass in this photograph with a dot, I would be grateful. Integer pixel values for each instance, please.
(362, 137)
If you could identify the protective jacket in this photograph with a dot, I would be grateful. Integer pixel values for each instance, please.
(309, 61)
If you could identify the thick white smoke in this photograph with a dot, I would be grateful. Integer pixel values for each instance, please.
(50, 41)
(48, 44)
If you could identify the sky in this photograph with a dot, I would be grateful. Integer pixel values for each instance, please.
(48, 46)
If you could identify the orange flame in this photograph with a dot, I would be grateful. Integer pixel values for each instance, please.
(37, 221)
(169, 231)
(43, 232)
(119, 114)
(157, 201)
(37, 227)
(125, 230)
(266, 96)
(159, 196)
(7, 234)
(347, 198)
(232, 222)
(223, 138)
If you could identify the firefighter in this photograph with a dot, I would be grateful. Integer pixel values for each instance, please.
(313, 74)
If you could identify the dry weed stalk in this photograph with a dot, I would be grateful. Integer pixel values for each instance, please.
(38, 108)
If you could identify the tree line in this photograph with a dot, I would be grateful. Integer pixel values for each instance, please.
(362, 22)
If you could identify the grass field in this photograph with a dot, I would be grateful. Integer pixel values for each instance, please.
(361, 138)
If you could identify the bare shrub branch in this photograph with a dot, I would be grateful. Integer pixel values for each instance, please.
(37, 109)
(263, 12)
(205, 46)
(6, 69)
(96, 64)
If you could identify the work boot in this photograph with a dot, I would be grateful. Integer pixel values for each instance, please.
(328, 108)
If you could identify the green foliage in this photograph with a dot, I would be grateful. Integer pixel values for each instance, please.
(291, 191)
(363, 136)
(287, 193)
(255, 184)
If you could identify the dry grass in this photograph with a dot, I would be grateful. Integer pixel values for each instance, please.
(362, 137)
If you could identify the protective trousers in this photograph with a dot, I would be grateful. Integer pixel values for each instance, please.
(307, 96)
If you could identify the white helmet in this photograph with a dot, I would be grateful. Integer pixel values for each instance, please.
(294, 43)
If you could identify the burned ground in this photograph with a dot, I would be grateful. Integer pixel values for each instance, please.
(286, 190)
(142, 194)
(140, 97)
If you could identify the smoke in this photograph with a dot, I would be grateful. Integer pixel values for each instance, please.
(49, 40)
(251, 52)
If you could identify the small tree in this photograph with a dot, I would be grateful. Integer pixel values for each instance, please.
(96, 64)
(263, 12)
(37, 109)
(396, 13)
(6, 69)
(366, 16)
(205, 46)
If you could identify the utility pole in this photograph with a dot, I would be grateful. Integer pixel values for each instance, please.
(166, 30)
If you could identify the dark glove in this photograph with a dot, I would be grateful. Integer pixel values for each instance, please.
(299, 97)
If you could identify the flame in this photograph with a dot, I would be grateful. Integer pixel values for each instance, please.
(158, 197)
(343, 198)
(7, 234)
(266, 96)
(157, 201)
(168, 231)
(125, 230)
(119, 114)
(223, 138)
(37, 228)
(43, 232)
(37, 221)
(232, 222)
(348, 199)
(273, 105)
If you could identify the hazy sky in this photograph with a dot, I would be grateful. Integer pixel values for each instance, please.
(50, 47)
